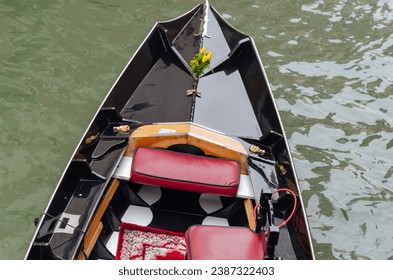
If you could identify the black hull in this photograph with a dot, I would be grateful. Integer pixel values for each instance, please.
(236, 100)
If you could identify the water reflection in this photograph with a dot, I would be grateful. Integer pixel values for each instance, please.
(338, 100)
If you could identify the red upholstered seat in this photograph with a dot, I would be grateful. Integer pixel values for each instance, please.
(159, 167)
(224, 243)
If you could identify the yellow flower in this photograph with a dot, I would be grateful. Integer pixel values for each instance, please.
(200, 62)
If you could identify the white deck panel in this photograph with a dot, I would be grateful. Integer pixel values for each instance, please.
(123, 171)
(245, 189)
(112, 242)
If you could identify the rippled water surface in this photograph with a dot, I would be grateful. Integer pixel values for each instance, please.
(329, 63)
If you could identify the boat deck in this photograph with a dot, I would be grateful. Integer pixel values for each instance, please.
(161, 208)
(168, 209)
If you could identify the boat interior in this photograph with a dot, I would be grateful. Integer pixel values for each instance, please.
(171, 176)
(222, 197)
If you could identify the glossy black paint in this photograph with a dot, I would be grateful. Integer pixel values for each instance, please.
(236, 100)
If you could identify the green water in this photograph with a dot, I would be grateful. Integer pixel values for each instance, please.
(329, 64)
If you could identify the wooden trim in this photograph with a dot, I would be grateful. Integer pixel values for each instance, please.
(96, 225)
(90, 241)
(250, 213)
(211, 142)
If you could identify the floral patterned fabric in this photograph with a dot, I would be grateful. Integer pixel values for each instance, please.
(145, 243)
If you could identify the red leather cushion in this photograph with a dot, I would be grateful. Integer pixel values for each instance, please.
(224, 243)
(186, 172)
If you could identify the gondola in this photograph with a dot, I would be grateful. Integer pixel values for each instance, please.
(179, 165)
